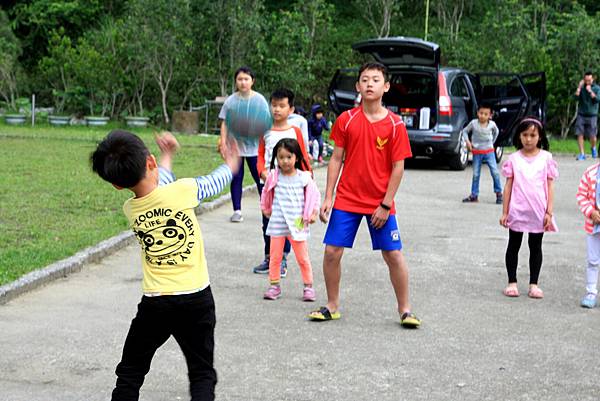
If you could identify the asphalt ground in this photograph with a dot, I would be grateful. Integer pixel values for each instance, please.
(63, 341)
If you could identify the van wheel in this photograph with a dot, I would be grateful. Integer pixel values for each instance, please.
(499, 153)
(460, 160)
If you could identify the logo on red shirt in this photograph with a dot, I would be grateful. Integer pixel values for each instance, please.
(381, 143)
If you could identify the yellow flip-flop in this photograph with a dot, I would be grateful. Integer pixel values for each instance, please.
(323, 314)
(409, 320)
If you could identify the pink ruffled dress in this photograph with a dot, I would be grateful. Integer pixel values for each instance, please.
(529, 197)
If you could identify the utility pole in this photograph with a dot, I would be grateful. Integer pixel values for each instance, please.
(426, 18)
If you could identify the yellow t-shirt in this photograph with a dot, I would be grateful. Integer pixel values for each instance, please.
(166, 227)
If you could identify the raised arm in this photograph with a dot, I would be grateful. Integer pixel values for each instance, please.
(168, 146)
(213, 183)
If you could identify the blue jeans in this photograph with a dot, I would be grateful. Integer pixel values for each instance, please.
(490, 158)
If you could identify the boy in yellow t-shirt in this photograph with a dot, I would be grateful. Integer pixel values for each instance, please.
(177, 298)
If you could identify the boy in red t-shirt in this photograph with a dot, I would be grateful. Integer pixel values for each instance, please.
(368, 135)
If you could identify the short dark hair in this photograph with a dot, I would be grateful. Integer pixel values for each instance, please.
(283, 93)
(246, 70)
(485, 105)
(524, 125)
(292, 146)
(373, 65)
(120, 159)
(587, 73)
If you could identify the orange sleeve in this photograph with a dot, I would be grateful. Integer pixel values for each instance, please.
(302, 148)
(260, 164)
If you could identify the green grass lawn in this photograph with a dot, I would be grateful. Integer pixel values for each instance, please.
(559, 146)
(566, 146)
(51, 205)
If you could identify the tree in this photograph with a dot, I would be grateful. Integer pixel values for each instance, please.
(378, 13)
(236, 27)
(450, 15)
(58, 71)
(98, 70)
(160, 36)
(10, 50)
(573, 40)
(34, 21)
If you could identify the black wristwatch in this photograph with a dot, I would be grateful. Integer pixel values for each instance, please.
(385, 207)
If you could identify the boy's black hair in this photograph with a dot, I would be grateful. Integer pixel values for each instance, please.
(588, 73)
(524, 125)
(292, 146)
(120, 159)
(485, 105)
(245, 70)
(300, 111)
(373, 65)
(283, 93)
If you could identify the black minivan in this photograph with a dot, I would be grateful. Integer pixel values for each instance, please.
(436, 102)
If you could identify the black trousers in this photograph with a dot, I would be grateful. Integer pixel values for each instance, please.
(190, 319)
(535, 255)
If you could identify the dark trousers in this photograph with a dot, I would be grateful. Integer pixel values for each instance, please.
(237, 181)
(535, 255)
(191, 320)
(319, 139)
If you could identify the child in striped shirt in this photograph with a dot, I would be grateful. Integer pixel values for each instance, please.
(587, 198)
(290, 199)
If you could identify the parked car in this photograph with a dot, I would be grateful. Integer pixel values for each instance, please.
(437, 102)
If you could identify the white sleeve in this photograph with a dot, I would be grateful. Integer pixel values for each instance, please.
(304, 129)
(165, 176)
(213, 183)
(224, 108)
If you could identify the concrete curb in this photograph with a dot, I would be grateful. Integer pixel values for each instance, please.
(92, 254)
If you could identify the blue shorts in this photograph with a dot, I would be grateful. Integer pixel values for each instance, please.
(343, 226)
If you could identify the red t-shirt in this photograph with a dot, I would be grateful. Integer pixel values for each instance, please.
(371, 149)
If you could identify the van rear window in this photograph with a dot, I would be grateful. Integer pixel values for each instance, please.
(346, 81)
(413, 84)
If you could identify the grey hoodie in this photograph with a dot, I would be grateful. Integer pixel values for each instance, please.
(482, 138)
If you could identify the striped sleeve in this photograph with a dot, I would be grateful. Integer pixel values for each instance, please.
(165, 176)
(586, 187)
(213, 183)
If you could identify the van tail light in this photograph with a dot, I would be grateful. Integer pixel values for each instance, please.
(445, 106)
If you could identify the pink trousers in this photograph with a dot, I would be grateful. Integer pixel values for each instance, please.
(300, 251)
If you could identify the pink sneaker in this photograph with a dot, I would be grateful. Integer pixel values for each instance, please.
(308, 294)
(273, 293)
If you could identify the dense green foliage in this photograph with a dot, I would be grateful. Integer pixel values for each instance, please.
(150, 57)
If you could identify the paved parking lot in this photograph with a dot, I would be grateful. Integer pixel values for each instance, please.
(63, 341)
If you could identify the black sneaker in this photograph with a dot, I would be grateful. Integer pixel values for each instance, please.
(470, 198)
(262, 268)
(499, 199)
(283, 267)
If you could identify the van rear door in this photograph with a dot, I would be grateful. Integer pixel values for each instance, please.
(401, 51)
(511, 100)
(342, 90)
(535, 83)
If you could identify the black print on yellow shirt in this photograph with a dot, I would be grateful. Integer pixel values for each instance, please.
(162, 242)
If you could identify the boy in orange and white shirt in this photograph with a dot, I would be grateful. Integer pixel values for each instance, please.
(587, 198)
(282, 106)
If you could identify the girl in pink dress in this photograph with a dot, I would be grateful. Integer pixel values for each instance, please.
(528, 201)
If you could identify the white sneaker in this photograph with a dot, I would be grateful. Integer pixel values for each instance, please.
(236, 217)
